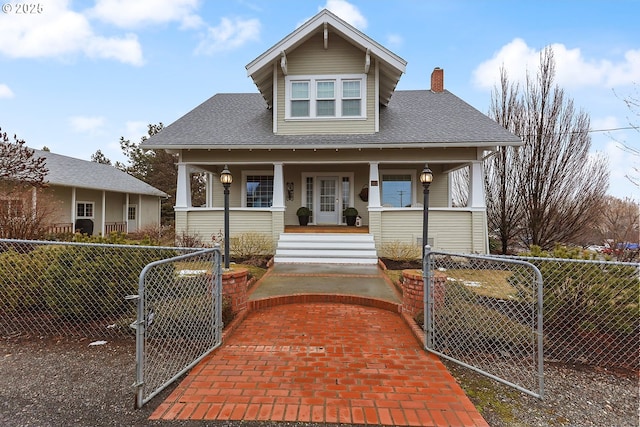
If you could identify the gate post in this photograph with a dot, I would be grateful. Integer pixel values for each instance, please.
(234, 285)
(413, 291)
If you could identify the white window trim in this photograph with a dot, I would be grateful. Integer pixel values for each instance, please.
(246, 173)
(93, 209)
(313, 80)
(411, 173)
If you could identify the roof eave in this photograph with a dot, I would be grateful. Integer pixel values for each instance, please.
(341, 146)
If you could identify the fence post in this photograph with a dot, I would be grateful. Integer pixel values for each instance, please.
(428, 300)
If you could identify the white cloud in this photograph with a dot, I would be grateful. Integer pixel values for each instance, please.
(230, 34)
(84, 124)
(5, 92)
(346, 11)
(60, 32)
(572, 68)
(133, 14)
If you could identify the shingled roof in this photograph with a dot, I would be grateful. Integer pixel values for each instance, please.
(414, 118)
(72, 172)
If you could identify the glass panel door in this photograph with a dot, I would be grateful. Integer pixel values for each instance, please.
(328, 204)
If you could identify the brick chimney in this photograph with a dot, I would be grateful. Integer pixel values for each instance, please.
(437, 80)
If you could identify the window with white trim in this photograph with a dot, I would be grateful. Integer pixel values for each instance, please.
(259, 191)
(397, 189)
(84, 209)
(300, 99)
(325, 97)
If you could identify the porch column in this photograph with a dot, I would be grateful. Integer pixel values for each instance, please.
(126, 213)
(139, 213)
(104, 212)
(209, 190)
(278, 186)
(73, 209)
(183, 190)
(476, 186)
(374, 186)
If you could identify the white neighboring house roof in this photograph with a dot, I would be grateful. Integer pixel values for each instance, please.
(71, 172)
(391, 67)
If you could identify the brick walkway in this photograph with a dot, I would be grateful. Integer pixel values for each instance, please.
(323, 363)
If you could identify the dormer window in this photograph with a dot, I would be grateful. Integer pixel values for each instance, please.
(325, 97)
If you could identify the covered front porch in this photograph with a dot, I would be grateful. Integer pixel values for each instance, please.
(264, 198)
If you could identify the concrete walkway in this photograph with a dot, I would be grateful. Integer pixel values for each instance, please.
(322, 362)
(293, 279)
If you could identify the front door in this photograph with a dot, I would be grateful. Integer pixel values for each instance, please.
(132, 218)
(328, 203)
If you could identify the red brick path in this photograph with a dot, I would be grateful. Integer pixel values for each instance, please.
(324, 363)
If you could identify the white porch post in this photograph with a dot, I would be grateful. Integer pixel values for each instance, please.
(139, 213)
(73, 209)
(374, 186)
(104, 212)
(278, 186)
(476, 186)
(183, 190)
(209, 190)
(126, 213)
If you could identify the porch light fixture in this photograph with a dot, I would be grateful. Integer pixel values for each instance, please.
(426, 177)
(226, 179)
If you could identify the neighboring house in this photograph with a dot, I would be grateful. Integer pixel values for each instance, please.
(326, 124)
(97, 199)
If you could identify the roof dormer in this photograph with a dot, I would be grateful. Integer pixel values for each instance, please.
(330, 31)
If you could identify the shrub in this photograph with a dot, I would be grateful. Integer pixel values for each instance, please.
(303, 211)
(247, 245)
(588, 296)
(401, 251)
(73, 282)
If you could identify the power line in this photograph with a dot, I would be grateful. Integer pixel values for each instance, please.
(612, 129)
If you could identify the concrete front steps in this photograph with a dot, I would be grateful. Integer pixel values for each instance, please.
(326, 248)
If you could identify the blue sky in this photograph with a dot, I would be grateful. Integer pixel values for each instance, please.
(75, 76)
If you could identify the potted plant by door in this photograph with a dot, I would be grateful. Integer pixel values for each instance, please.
(303, 213)
(350, 215)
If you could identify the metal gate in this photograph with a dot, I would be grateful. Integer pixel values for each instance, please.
(485, 313)
(179, 318)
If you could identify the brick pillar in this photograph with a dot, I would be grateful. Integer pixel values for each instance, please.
(234, 285)
(413, 291)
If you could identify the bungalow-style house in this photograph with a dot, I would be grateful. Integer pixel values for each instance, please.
(97, 199)
(328, 131)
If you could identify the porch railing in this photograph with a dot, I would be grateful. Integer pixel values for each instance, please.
(119, 227)
(60, 228)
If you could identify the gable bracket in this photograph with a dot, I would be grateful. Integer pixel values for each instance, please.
(283, 62)
(367, 61)
(326, 36)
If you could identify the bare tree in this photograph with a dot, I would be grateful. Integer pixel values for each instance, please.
(549, 190)
(561, 186)
(25, 211)
(18, 164)
(460, 187)
(504, 201)
(633, 103)
(619, 221)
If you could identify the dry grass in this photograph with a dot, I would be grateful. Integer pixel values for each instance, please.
(488, 283)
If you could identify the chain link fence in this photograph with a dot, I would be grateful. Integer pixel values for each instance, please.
(71, 289)
(591, 312)
(486, 314)
(179, 319)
